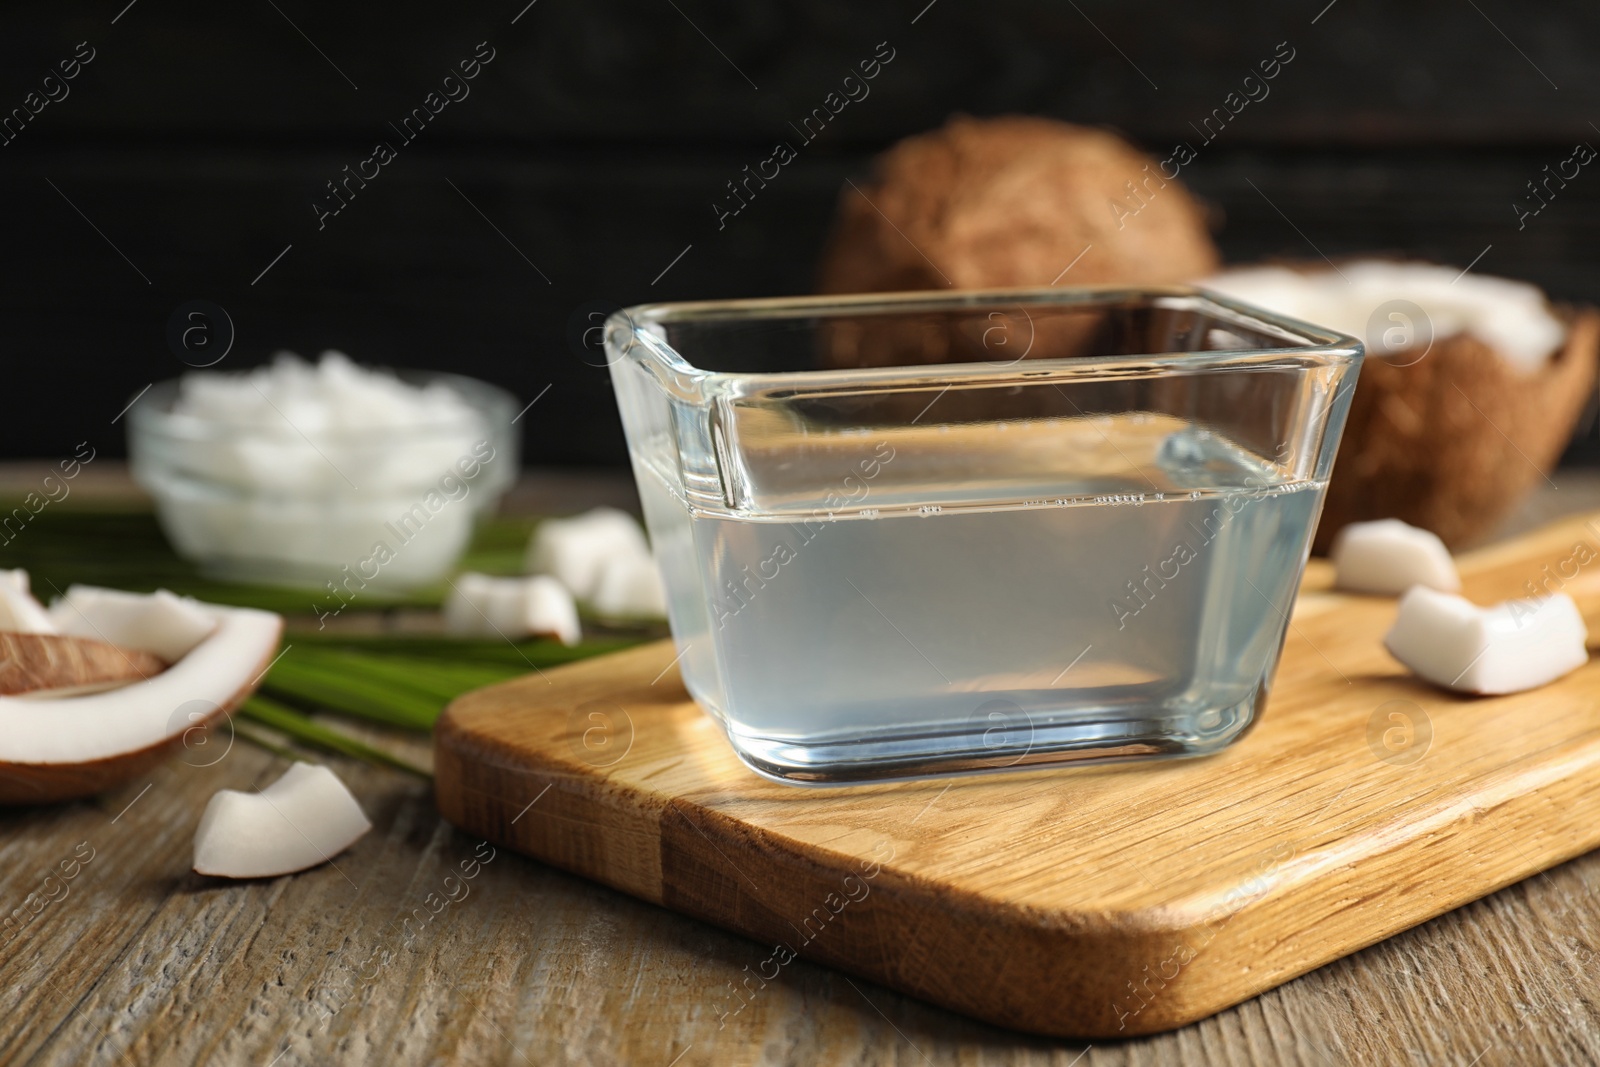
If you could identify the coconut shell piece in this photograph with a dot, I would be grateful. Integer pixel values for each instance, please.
(1013, 202)
(251, 635)
(33, 662)
(1453, 441)
(35, 783)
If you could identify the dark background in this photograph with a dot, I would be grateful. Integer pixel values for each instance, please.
(598, 138)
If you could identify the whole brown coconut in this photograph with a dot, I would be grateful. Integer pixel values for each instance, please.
(1454, 441)
(1014, 201)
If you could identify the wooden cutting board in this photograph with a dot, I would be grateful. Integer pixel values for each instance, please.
(1085, 901)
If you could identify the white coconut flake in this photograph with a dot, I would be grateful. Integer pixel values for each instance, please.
(576, 550)
(303, 819)
(630, 586)
(19, 611)
(1388, 556)
(290, 397)
(319, 429)
(1507, 648)
(480, 604)
(1512, 318)
(161, 623)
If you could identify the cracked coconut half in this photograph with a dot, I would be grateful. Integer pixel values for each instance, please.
(163, 666)
(1470, 391)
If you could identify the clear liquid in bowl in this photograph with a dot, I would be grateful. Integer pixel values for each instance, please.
(1132, 612)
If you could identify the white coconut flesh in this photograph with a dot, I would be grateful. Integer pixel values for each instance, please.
(227, 660)
(1507, 648)
(575, 551)
(19, 611)
(480, 604)
(305, 818)
(1511, 318)
(630, 586)
(160, 622)
(1388, 556)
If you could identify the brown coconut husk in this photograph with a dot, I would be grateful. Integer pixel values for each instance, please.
(55, 662)
(1454, 441)
(1010, 203)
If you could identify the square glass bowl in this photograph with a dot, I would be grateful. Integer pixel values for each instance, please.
(925, 533)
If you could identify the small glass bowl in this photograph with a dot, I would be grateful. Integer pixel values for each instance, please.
(394, 509)
(907, 534)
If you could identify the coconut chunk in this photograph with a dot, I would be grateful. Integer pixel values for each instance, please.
(576, 550)
(161, 623)
(512, 607)
(1507, 648)
(1388, 557)
(630, 587)
(19, 611)
(303, 819)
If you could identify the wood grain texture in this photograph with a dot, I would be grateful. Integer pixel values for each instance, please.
(1087, 902)
(144, 963)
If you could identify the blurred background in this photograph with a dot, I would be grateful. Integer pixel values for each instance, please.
(190, 159)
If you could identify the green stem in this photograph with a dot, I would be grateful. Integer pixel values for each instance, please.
(308, 731)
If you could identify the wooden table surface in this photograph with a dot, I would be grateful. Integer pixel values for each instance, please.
(137, 960)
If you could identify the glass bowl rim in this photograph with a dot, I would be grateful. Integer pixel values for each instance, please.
(627, 333)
